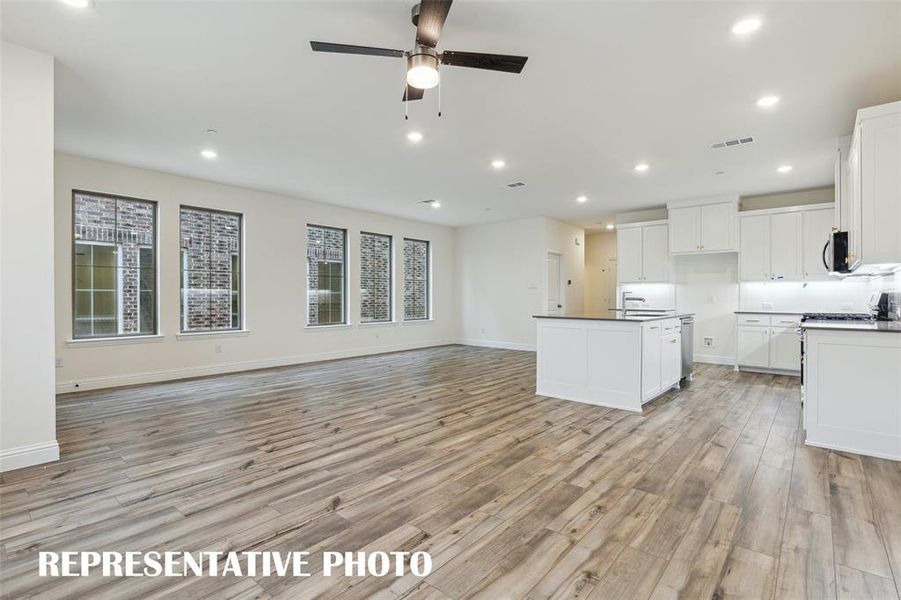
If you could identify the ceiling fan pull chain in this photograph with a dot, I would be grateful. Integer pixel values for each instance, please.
(406, 94)
(439, 97)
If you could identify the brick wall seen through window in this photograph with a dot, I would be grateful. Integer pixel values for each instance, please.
(416, 280)
(375, 277)
(326, 275)
(114, 266)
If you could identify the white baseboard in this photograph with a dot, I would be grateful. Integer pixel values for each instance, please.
(27, 456)
(96, 383)
(713, 359)
(496, 344)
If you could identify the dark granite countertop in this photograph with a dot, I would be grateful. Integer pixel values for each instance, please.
(616, 317)
(881, 326)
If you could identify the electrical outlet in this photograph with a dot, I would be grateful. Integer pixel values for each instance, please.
(59, 362)
(483, 330)
(218, 348)
(711, 299)
(847, 307)
(708, 341)
(767, 306)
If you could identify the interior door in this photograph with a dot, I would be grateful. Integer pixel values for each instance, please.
(785, 245)
(655, 253)
(554, 298)
(685, 229)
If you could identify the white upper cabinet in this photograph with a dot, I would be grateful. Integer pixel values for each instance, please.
(716, 227)
(817, 225)
(628, 254)
(700, 226)
(685, 229)
(655, 253)
(784, 243)
(876, 173)
(641, 253)
(754, 255)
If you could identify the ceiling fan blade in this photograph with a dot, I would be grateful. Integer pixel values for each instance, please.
(478, 60)
(432, 14)
(412, 93)
(348, 49)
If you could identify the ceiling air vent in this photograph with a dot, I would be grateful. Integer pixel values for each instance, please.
(516, 184)
(732, 143)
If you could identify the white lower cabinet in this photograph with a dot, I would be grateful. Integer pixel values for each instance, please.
(768, 342)
(650, 360)
(852, 387)
(661, 357)
(670, 360)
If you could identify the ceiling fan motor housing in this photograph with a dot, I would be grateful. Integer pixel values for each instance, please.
(423, 59)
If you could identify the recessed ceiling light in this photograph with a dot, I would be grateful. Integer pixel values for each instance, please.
(435, 204)
(498, 163)
(768, 101)
(746, 26)
(642, 167)
(610, 225)
(582, 199)
(79, 3)
(208, 154)
(414, 136)
(785, 168)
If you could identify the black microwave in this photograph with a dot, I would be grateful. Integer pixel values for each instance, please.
(836, 256)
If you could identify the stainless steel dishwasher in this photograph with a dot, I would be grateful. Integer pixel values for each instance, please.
(688, 353)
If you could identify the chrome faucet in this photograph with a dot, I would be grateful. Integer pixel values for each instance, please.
(627, 298)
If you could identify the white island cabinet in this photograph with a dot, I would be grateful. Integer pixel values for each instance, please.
(608, 361)
(852, 387)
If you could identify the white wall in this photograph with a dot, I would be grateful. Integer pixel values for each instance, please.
(502, 275)
(275, 287)
(27, 402)
(707, 285)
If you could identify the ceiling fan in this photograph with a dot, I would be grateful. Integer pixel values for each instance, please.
(423, 60)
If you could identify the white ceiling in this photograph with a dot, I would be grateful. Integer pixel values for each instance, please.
(608, 84)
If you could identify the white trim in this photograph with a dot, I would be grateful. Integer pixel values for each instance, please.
(732, 198)
(768, 371)
(713, 359)
(202, 371)
(786, 209)
(642, 223)
(554, 394)
(26, 456)
(815, 444)
(368, 324)
(199, 335)
(115, 341)
(498, 344)
(309, 327)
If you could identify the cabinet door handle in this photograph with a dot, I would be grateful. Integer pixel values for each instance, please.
(672, 341)
(752, 320)
(652, 328)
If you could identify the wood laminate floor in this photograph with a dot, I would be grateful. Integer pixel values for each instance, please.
(708, 494)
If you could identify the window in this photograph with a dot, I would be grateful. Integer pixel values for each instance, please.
(210, 270)
(416, 280)
(114, 266)
(375, 277)
(326, 275)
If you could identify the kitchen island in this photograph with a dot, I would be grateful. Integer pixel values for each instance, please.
(852, 386)
(618, 361)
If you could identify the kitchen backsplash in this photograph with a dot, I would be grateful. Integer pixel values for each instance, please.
(848, 295)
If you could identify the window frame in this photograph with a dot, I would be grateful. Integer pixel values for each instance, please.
(345, 313)
(156, 271)
(241, 300)
(391, 316)
(428, 282)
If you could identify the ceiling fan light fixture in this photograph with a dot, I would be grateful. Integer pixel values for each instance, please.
(422, 69)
